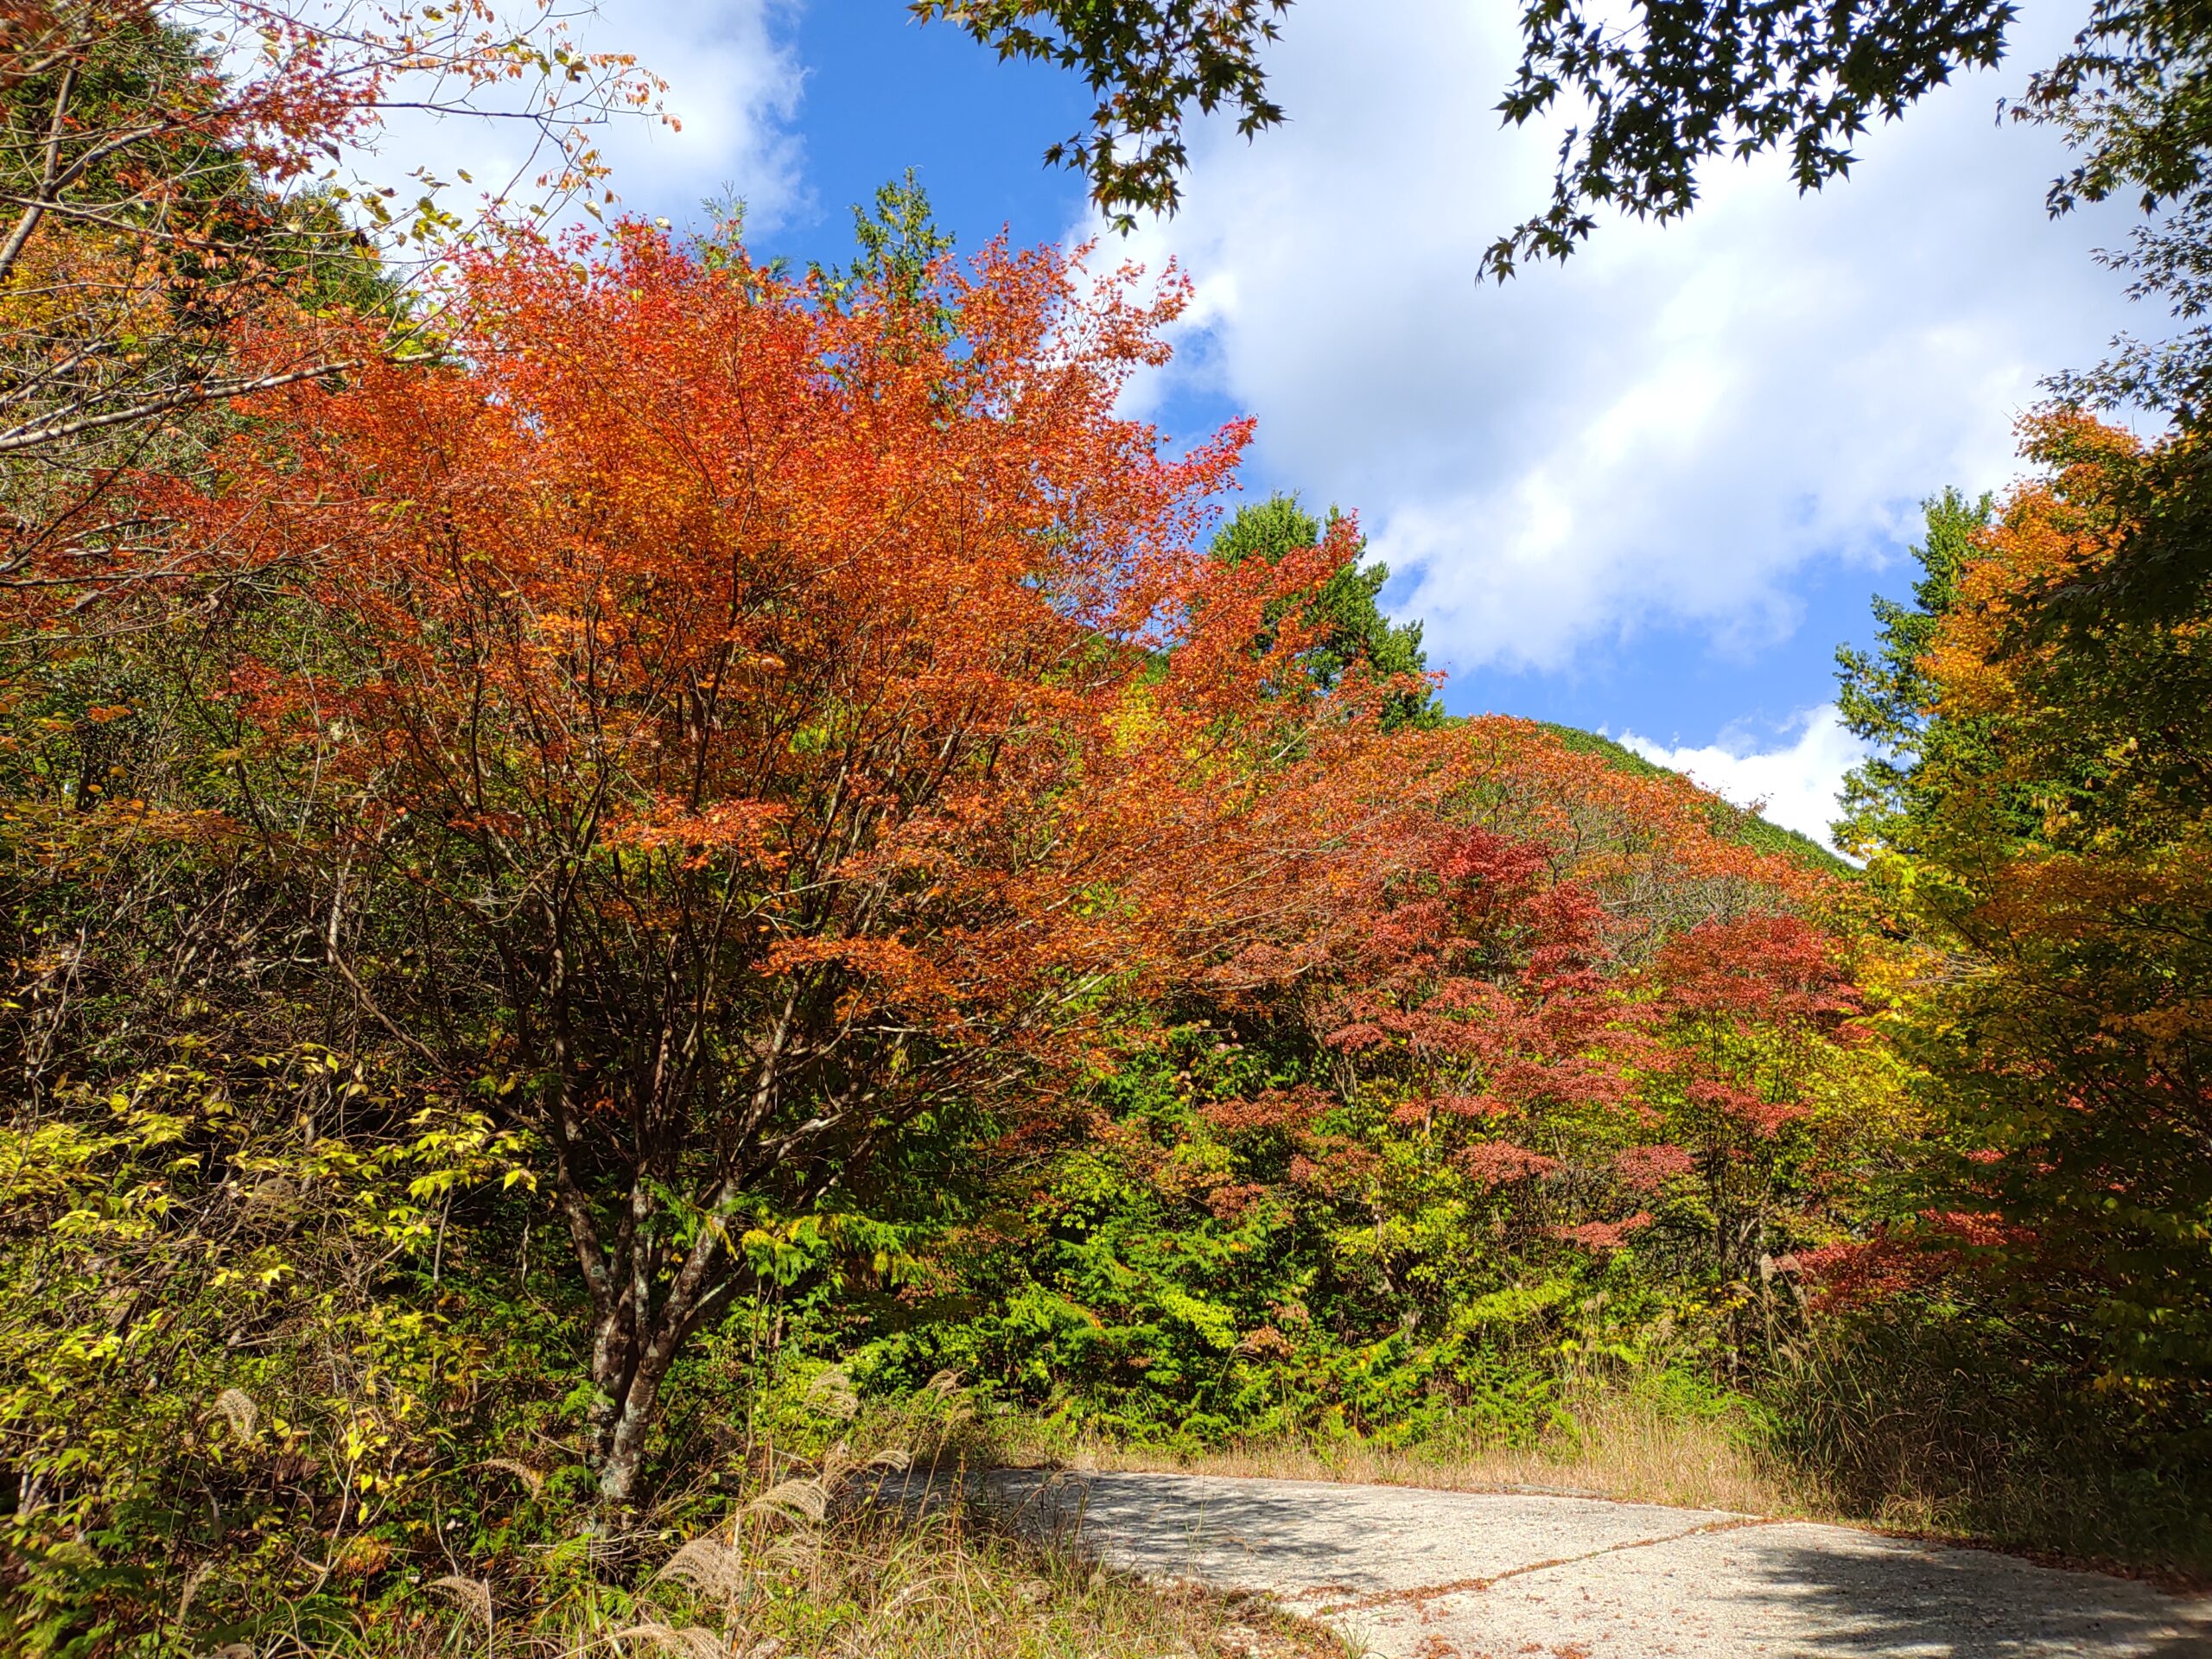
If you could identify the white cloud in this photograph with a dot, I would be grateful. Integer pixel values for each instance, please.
(1797, 784)
(1672, 427)
(733, 86)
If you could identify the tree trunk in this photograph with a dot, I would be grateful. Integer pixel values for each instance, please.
(634, 1349)
(612, 1350)
(625, 1456)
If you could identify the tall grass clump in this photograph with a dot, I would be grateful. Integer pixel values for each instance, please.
(1931, 1421)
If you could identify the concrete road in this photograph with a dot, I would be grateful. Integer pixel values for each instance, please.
(1416, 1574)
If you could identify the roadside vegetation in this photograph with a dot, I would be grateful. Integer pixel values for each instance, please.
(642, 890)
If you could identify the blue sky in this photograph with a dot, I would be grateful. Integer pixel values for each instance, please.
(1648, 492)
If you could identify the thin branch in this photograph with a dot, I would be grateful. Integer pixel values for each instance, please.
(21, 438)
(33, 213)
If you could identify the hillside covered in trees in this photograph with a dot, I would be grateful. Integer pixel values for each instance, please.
(633, 878)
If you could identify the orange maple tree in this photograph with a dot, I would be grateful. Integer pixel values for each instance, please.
(803, 707)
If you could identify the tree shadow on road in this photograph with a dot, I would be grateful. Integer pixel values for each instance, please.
(1865, 1595)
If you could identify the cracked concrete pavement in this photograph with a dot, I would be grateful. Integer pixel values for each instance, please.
(1412, 1573)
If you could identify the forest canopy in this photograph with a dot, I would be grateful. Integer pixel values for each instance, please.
(640, 884)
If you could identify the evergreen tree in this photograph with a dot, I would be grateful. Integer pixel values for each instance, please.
(1358, 632)
(1886, 695)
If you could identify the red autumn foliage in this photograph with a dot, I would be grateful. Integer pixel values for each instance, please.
(1526, 1013)
(1277, 1110)
(1745, 1107)
(1649, 1169)
(1760, 969)
(1605, 1235)
(1230, 1203)
(1856, 1272)
(1493, 1163)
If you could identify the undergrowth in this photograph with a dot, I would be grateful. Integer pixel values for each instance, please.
(1950, 1427)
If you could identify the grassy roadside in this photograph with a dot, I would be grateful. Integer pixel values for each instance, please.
(1618, 1446)
(945, 1587)
(813, 1566)
(861, 1585)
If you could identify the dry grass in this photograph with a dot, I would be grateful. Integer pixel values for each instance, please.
(868, 1585)
(1623, 1448)
(877, 1585)
(1909, 1437)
